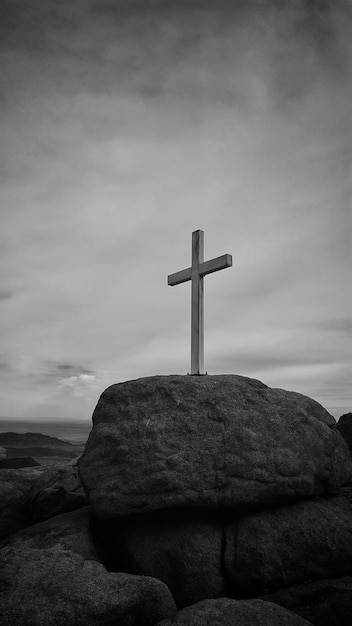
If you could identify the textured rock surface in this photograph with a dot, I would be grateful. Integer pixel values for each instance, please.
(70, 531)
(185, 553)
(208, 441)
(57, 490)
(209, 557)
(49, 575)
(29, 495)
(226, 612)
(323, 602)
(344, 426)
(283, 546)
(15, 486)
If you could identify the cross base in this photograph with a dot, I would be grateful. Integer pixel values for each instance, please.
(198, 374)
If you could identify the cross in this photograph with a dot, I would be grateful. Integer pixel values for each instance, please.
(196, 274)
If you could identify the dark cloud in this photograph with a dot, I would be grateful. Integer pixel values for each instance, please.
(31, 25)
(64, 369)
(5, 365)
(6, 294)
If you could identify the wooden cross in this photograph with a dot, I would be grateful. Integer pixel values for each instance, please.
(196, 274)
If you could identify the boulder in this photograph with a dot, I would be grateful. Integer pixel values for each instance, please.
(226, 612)
(50, 574)
(323, 602)
(344, 426)
(57, 490)
(29, 495)
(2, 454)
(286, 545)
(209, 556)
(185, 553)
(15, 486)
(218, 442)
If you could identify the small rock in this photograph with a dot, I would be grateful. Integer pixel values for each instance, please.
(344, 426)
(15, 486)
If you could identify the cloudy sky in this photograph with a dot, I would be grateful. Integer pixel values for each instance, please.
(126, 125)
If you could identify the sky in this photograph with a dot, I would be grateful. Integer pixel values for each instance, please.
(125, 126)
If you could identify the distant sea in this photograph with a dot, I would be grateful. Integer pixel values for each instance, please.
(74, 431)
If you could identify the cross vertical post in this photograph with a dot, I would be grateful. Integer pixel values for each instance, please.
(195, 274)
(197, 305)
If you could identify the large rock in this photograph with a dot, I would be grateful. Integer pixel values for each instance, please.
(2, 454)
(226, 612)
(57, 490)
(15, 486)
(208, 441)
(286, 545)
(206, 556)
(344, 426)
(50, 574)
(30, 495)
(185, 553)
(323, 602)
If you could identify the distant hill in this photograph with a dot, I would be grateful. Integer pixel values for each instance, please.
(21, 439)
(40, 447)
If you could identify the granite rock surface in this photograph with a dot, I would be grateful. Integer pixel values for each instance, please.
(213, 442)
(227, 612)
(51, 574)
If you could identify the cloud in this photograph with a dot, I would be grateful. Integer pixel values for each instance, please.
(128, 125)
(79, 384)
(6, 294)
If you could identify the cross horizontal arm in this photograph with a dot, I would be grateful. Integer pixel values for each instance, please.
(208, 267)
(179, 277)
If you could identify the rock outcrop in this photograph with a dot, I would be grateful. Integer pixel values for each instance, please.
(15, 486)
(51, 574)
(206, 492)
(184, 551)
(226, 612)
(323, 602)
(30, 495)
(57, 490)
(344, 426)
(218, 486)
(286, 545)
(213, 442)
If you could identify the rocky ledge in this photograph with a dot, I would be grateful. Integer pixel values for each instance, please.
(214, 500)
